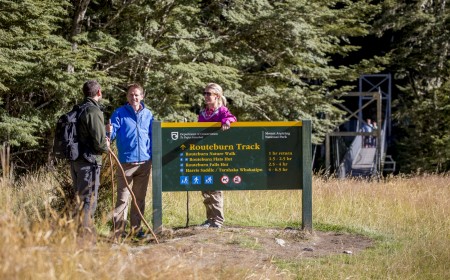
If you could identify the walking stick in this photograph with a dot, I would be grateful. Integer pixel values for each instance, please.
(132, 194)
(108, 134)
(113, 189)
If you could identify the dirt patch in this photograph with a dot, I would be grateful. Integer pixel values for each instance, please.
(250, 249)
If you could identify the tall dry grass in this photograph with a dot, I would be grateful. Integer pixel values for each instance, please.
(407, 216)
(36, 242)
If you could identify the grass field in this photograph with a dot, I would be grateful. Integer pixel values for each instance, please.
(407, 216)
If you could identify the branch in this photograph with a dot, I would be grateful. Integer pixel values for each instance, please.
(102, 49)
(260, 110)
(126, 4)
(119, 63)
(43, 105)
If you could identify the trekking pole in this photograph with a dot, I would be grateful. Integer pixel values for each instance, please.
(108, 134)
(113, 189)
(132, 194)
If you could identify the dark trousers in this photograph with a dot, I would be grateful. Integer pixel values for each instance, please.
(86, 180)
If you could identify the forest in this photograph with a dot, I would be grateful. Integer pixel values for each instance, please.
(276, 60)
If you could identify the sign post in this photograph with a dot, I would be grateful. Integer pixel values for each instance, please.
(249, 156)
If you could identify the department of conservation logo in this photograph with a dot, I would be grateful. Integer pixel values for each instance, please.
(174, 135)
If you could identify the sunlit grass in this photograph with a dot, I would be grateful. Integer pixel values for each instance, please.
(410, 213)
(408, 218)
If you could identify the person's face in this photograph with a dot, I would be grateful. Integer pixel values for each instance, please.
(134, 96)
(211, 98)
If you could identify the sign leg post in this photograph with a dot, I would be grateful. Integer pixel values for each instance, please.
(157, 177)
(307, 176)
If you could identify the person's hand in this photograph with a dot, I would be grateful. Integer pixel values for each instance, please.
(108, 142)
(226, 125)
(108, 128)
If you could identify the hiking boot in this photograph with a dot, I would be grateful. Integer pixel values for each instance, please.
(214, 225)
(141, 235)
(210, 224)
(206, 224)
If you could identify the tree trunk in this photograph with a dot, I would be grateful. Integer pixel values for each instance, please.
(77, 22)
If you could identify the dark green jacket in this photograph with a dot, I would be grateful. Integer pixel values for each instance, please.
(92, 133)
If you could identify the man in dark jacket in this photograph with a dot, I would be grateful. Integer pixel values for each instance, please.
(86, 169)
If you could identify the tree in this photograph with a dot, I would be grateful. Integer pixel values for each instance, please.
(275, 59)
(35, 86)
(272, 58)
(420, 52)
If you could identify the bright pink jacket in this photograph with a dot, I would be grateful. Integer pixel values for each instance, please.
(221, 114)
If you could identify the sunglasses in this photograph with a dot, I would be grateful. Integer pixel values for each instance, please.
(207, 93)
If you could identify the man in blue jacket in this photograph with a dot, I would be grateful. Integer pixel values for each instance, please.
(131, 126)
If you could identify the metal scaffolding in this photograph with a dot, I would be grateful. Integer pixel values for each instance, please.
(374, 95)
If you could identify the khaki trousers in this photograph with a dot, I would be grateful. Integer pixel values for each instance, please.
(138, 176)
(213, 201)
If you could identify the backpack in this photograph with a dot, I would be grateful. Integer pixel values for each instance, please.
(65, 143)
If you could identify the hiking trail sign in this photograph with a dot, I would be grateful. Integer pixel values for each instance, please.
(248, 156)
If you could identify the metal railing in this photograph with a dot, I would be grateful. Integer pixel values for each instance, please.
(381, 162)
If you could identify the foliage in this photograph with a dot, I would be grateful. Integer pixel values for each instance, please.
(275, 59)
(420, 52)
(35, 86)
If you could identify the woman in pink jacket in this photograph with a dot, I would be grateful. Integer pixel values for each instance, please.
(215, 110)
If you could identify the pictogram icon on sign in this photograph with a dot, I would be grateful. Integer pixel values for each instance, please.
(174, 135)
(224, 179)
(184, 180)
(237, 179)
(196, 180)
(209, 179)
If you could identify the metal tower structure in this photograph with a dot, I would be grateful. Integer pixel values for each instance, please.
(381, 83)
(360, 159)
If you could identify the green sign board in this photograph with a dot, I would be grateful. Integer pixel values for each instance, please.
(249, 156)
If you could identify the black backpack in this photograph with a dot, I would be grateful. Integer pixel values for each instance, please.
(66, 144)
